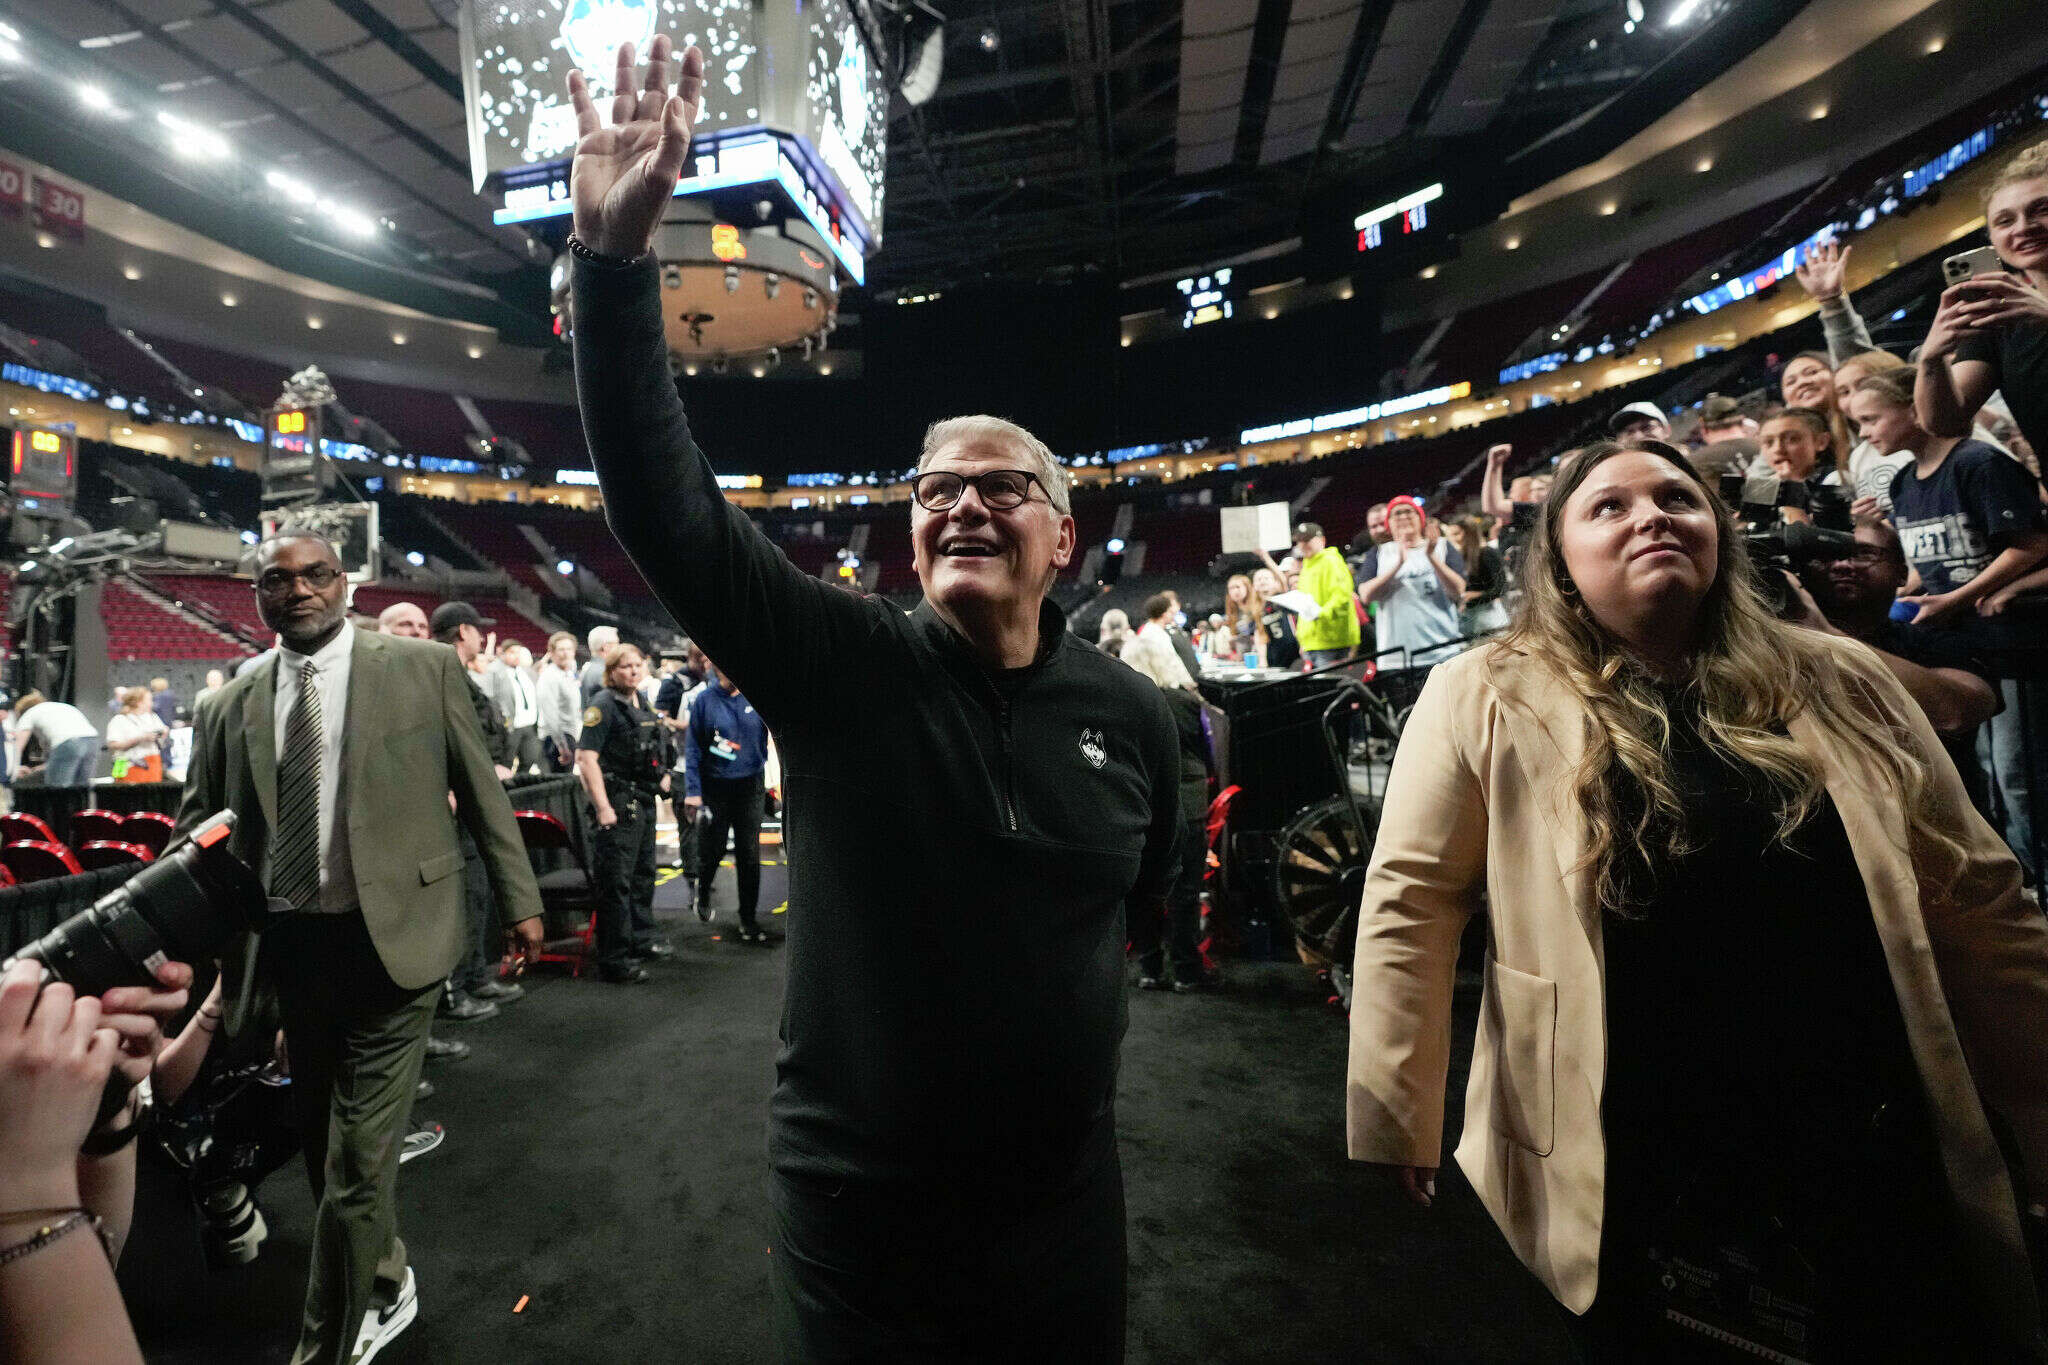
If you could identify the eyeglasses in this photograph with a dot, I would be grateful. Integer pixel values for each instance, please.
(1002, 489)
(278, 582)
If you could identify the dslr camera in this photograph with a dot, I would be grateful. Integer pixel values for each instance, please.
(1778, 547)
(184, 907)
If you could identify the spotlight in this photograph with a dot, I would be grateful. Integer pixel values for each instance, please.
(415, 558)
(990, 39)
(1115, 545)
(566, 568)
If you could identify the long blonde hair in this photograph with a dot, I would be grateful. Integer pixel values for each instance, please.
(1752, 674)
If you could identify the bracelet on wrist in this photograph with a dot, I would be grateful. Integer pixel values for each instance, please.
(39, 1215)
(52, 1231)
(583, 251)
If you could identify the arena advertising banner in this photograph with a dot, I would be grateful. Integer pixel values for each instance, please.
(350, 526)
(798, 68)
(59, 208)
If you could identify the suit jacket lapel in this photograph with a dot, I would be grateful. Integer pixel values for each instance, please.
(259, 733)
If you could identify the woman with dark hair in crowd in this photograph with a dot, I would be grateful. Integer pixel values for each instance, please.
(1742, 924)
(1799, 444)
(1486, 577)
(1808, 381)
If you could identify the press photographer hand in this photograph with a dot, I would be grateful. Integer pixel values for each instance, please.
(55, 1058)
(623, 176)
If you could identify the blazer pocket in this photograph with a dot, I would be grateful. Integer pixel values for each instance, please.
(1524, 1081)
(433, 869)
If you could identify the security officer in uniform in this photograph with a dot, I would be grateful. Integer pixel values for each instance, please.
(620, 756)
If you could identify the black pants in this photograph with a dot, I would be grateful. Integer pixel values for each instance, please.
(735, 808)
(526, 751)
(871, 1272)
(1183, 912)
(625, 879)
(481, 953)
(688, 837)
(356, 1040)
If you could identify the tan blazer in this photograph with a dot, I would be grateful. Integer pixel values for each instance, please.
(1480, 800)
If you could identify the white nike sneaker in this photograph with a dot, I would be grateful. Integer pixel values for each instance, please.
(383, 1323)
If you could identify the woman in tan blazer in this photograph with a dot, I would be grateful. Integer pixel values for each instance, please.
(1755, 968)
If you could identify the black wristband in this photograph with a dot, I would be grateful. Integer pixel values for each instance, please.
(583, 251)
(106, 1143)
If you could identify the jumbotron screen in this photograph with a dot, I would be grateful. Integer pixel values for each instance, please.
(798, 67)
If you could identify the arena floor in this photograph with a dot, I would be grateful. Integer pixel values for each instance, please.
(605, 1162)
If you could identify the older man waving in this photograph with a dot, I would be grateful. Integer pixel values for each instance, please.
(945, 1181)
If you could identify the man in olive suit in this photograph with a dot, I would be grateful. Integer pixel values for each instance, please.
(337, 755)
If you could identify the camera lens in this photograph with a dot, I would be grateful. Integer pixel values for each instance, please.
(182, 908)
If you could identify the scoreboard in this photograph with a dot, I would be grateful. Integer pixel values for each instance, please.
(44, 464)
(294, 461)
(1407, 216)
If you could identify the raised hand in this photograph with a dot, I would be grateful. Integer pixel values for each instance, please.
(622, 176)
(1498, 455)
(1820, 274)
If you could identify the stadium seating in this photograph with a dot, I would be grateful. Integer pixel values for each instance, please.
(138, 628)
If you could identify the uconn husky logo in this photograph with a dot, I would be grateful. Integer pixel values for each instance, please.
(1093, 749)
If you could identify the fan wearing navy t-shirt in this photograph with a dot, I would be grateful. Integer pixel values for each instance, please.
(1971, 522)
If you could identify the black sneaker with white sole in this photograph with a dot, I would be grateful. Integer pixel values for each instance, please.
(383, 1323)
(425, 1136)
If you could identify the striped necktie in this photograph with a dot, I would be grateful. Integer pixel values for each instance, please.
(295, 852)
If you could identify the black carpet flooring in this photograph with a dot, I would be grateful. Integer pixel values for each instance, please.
(605, 1162)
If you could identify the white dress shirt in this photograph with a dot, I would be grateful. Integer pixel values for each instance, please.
(525, 706)
(331, 673)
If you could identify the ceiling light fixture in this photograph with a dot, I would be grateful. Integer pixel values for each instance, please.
(45, 240)
(9, 32)
(129, 272)
(1609, 209)
(398, 338)
(8, 51)
(95, 99)
(476, 353)
(1706, 163)
(315, 323)
(352, 221)
(1682, 13)
(1429, 272)
(189, 140)
(1512, 244)
(1820, 111)
(1936, 44)
(228, 300)
(291, 187)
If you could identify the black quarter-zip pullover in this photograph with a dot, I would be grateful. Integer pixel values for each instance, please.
(961, 843)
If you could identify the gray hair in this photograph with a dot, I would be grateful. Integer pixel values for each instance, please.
(981, 427)
(1113, 626)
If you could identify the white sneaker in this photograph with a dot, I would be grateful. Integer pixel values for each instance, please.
(383, 1323)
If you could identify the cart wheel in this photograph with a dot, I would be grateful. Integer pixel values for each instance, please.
(1319, 876)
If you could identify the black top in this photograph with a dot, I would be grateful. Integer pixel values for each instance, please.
(1752, 1023)
(955, 998)
(627, 738)
(1954, 522)
(497, 739)
(2018, 356)
(1283, 649)
(1488, 577)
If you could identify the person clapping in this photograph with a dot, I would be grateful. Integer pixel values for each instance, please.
(1418, 592)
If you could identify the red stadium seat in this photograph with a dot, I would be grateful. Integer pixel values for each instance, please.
(19, 827)
(90, 825)
(570, 889)
(111, 853)
(150, 828)
(39, 860)
(6, 877)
